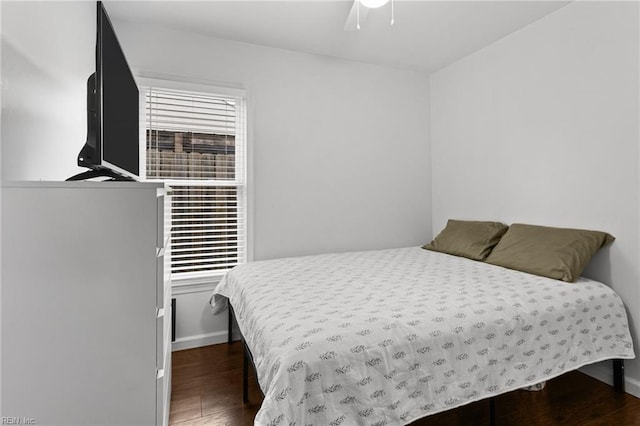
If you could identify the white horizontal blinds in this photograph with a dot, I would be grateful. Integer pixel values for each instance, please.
(196, 142)
(192, 135)
(208, 232)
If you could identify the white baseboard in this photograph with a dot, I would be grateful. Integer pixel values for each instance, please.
(603, 371)
(190, 342)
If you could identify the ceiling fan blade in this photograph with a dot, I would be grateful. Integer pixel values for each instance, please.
(351, 24)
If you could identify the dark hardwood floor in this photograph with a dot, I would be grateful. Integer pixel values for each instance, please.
(207, 390)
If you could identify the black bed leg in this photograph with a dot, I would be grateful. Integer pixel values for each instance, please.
(245, 373)
(618, 375)
(492, 411)
(230, 309)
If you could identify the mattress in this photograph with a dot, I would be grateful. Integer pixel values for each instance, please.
(387, 337)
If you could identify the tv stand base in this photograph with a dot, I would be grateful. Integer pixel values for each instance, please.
(94, 173)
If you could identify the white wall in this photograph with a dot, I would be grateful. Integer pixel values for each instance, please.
(543, 127)
(340, 149)
(48, 52)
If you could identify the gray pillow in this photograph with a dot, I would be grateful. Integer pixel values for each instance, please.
(560, 253)
(471, 239)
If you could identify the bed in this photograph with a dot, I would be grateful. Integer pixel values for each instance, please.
(387, 337)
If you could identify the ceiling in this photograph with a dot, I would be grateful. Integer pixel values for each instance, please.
(427, 35)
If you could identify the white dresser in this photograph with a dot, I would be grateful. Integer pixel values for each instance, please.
(86, 306)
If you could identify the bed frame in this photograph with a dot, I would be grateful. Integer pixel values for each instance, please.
(247, 357)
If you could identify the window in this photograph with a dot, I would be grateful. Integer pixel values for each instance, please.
(196, 142)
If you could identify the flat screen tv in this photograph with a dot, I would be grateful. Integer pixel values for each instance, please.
(112, 146)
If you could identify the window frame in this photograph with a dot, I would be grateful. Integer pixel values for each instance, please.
(146, 81)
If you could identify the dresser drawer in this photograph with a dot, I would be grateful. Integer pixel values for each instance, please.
(163, 335)
(160, 280)
(163, 391)
(163, 279)
(163, 211)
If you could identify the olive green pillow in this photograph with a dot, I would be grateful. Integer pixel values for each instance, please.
(559, 253)
(472, 239)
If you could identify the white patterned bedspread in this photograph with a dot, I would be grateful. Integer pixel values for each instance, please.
(387, 337)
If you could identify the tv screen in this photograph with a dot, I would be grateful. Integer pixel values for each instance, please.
(117, 96)
(112, 146)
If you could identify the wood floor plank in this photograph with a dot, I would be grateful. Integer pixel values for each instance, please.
(186, 403)
(189, 409)
(207, 390)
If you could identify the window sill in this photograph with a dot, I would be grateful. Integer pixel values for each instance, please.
(194, 285)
